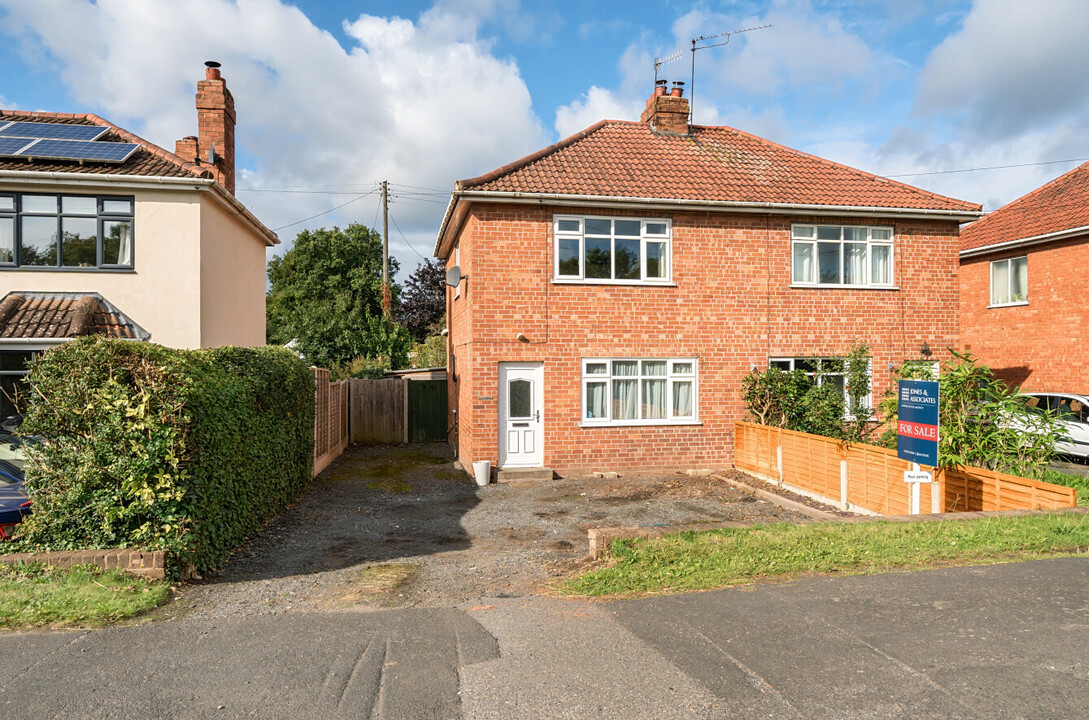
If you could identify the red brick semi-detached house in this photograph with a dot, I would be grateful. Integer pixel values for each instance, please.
(618, 285)
(1023, 279)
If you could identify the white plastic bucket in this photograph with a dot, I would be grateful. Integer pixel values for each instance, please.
(482, 469)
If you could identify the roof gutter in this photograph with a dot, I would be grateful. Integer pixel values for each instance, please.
(728, 206)
(143, 182)
(1026, 242)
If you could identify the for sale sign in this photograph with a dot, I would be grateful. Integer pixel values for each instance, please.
(917, 429)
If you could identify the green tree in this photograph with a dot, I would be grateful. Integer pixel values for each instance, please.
(326, 294)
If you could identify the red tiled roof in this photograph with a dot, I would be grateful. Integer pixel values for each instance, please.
(48, 315)
(628, 159)
(1061, 204)
(148, 159)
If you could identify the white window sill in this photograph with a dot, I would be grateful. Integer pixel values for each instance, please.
(638, 423)
(630, 283)
(807, 286)
(1019, 303)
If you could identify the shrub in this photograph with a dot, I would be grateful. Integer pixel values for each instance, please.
(981, 422)
(792, 400)
(190, 451)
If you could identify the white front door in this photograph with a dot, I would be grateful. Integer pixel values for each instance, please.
(521, 414)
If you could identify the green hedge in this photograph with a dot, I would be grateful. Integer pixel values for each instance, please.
(190, 451)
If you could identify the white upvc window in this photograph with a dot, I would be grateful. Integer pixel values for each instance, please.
(1009, 281)
(620, 250)
(842, 256)
(826, 371)
(638, 391)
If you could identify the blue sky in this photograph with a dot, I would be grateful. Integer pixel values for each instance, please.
(333, 97)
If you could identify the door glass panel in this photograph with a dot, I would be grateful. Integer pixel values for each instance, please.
(521, 398)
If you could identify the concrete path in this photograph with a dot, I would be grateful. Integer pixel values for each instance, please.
(1004, 641)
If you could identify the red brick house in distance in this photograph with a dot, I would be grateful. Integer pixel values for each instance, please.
(618, 285)
(1023, 278)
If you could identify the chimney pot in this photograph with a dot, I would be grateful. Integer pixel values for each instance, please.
(212, 71)
(678, 89)
(660, 87)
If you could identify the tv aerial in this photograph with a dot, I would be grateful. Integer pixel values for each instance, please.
(703, 42)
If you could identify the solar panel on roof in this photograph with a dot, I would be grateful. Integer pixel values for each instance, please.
(53, 131)
(12, 146)
(79, 150)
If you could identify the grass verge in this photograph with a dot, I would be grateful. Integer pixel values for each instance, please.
(718, 558)
(39, 596)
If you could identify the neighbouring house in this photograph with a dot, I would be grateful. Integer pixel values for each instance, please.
(617, 286)
(1022, 277)
(104, 232)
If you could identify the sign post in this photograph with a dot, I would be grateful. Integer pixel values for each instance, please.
(917, 433)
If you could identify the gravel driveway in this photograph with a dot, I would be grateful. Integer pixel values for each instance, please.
(400, 526)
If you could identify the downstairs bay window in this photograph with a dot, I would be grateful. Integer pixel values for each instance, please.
(639, 391)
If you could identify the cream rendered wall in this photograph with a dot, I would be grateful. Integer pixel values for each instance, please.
(232, 278)
(162, 293)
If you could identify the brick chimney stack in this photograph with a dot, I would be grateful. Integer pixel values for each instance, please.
(667, 112)
(215, 128)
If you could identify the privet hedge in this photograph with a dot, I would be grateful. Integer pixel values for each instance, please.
(190, 451)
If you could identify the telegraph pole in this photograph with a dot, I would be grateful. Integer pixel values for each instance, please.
(386, 295)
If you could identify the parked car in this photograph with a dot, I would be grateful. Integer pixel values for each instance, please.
(1072, 412)
(14, 503)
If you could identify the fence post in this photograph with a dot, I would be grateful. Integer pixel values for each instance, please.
(779, 458)
(937, 492)
(843, 485)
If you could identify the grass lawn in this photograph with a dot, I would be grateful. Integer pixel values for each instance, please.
(717, 558)
(37, 596)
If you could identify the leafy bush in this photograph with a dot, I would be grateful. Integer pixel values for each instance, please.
(794, 401)
(428, 354)
(189, 451)
(981, 422)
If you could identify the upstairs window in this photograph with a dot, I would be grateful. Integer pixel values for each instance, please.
(77, 232)
(611, 250)
(841, 256)
(1009, 281)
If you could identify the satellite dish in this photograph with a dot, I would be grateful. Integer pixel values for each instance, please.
(453, 276)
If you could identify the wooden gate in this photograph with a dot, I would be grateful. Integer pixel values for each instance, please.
(426, 410)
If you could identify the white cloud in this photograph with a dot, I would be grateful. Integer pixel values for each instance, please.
(594, 105)
(419, 102)
(1012, 67)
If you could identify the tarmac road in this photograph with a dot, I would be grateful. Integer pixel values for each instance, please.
(1002, 641)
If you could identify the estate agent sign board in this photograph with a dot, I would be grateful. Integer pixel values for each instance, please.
(917, 429)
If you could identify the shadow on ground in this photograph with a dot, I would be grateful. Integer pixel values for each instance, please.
(374, 504)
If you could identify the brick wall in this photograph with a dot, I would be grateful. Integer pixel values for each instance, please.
(1042, 345)
(732, 307)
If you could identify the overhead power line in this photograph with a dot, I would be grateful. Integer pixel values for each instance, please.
(326, 212)
(406, 239)
(989, 167)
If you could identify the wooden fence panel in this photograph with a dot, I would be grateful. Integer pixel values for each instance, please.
(377, 410)
(330, 419)
(875, 475)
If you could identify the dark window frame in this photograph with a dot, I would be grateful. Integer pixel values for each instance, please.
(101, 218)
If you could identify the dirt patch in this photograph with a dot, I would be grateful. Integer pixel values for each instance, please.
(401, 526)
